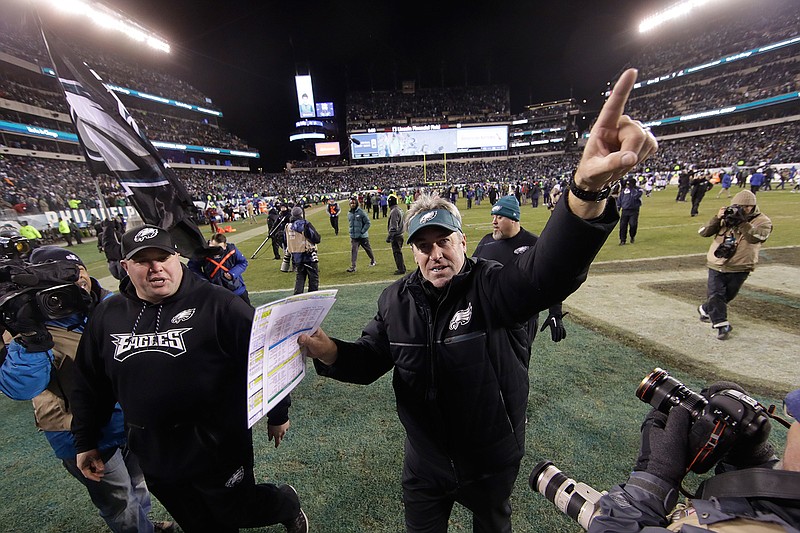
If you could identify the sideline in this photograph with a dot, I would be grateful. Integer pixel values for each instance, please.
(757, 356)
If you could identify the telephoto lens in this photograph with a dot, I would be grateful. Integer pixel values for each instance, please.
(578, 501)
(286, 264)
(663, 392)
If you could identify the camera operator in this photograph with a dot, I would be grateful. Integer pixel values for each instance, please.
(40, 367)
(738, 232)
(301, 239)
(750, 493)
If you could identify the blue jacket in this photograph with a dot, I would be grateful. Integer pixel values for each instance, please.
(44, 376)
(630, 198)
(213, 267)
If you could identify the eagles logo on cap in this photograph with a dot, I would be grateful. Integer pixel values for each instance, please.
(146, 233)
(148, 236)
(437, 217)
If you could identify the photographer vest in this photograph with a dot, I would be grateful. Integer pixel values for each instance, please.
(296, 242)
(51, 407)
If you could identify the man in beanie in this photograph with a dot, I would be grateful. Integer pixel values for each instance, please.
(738, 232)
(302, 239)
(395, 237)
(454, 334)
(172, 349)
(40, 366)
(507, 241)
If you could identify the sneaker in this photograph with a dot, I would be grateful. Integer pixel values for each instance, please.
(399, 272)
(723, 332)
(299, 524)
(633, 240)
(165, 525)
(373, 263)
(351, 269)
(703, 315)
(622, 243)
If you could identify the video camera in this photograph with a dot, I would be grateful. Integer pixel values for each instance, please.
(14, 247)
(717, 424)
(42, 292)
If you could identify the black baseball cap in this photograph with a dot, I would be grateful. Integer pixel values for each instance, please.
(147, 236)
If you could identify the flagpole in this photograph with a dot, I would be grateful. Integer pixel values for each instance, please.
(103, 209)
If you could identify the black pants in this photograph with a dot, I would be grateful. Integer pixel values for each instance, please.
(629, 219)
(335, 224)
(209, 504)
(722, 288)
(397, 252)
(430, 490)
(277, 244)
(309, 271)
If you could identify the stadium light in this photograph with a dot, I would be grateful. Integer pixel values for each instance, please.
(675, 11)
(107, 18)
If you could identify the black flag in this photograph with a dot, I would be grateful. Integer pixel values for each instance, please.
(113, 144)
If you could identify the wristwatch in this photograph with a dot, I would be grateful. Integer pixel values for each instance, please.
(588, 196)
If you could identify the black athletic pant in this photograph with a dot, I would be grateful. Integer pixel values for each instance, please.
(431, 489)
(335, 224)
(208, 504)
(629, 219)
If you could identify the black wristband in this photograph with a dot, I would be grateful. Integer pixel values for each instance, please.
(588, 196)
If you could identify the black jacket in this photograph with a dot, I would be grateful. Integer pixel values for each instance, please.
(179, 371)
(461, 364)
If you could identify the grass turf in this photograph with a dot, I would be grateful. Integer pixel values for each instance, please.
(344, 450)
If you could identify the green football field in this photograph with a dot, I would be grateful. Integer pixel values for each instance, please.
(343, 452)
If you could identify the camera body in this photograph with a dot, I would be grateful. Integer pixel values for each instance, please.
(717, 422)
(733, 215)
(727, 247)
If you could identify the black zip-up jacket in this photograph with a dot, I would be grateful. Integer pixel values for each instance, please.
(179, 371)
(461, 364)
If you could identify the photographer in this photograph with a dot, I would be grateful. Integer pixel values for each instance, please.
(749, 494)
(302, 239)
(738, 232)
(40, 366)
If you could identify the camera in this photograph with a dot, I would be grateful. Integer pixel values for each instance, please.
(733, 215)
(717, 422)
(727, 247)
(286, 264)
(578, 501)
(40, 292)
(14, 247)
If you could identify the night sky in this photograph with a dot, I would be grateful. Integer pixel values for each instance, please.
(244, 55)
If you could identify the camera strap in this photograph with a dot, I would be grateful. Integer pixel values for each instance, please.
(752, 483)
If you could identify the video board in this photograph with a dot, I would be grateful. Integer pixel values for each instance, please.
(305, 96)
(427, 140)
(324, 109)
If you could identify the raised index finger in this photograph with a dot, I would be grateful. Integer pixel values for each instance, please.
(615, 105)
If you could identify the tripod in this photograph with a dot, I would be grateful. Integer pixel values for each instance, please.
(271, 233)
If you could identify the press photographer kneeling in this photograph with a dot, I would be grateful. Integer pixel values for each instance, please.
(751, 492)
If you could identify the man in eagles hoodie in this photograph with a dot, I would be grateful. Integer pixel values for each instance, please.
(172, 350)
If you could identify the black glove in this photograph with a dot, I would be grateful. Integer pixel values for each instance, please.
(389, 238)
(31, 333)
(747, 451)
(663, 448)
(557, 330)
